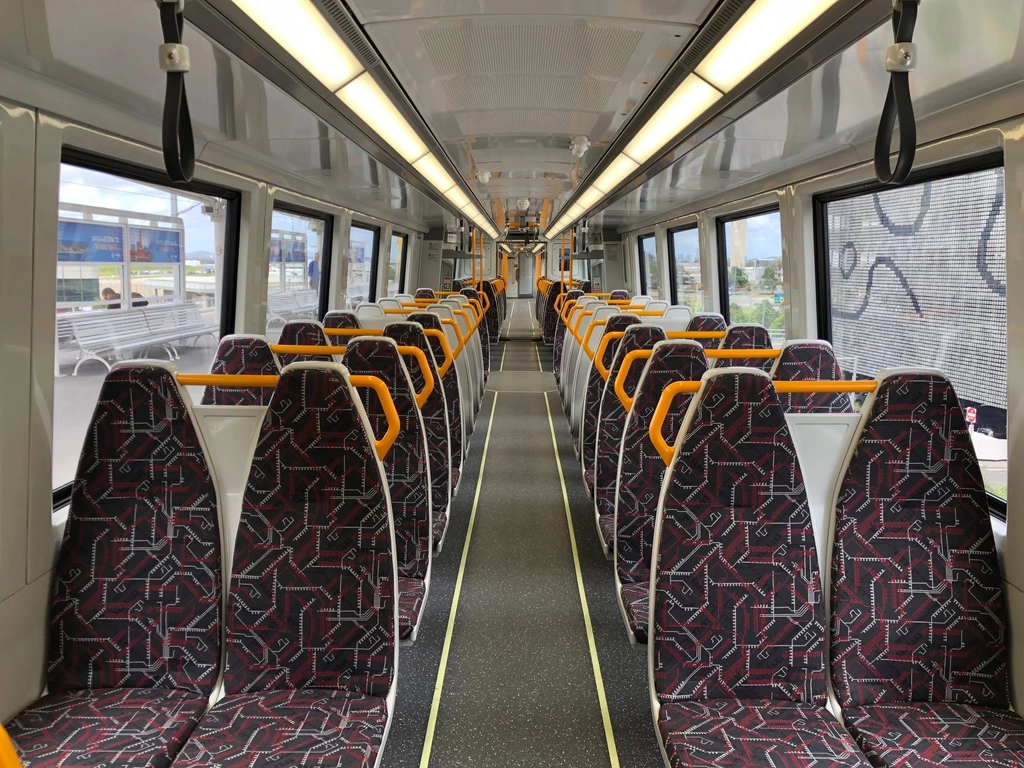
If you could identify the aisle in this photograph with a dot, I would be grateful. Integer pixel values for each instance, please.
(520, 323)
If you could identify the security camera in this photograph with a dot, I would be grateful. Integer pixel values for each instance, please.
(579, 146)
(523, 204)
(483, 176)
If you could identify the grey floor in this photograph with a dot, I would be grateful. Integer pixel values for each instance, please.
(520, 687)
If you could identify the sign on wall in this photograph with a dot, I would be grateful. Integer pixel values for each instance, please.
(89, 242)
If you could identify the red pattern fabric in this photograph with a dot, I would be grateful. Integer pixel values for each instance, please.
(636, 599)
(707, 321)
(306, 333)
(746, 337)
(811, 361)
(411, 595)
(242, 356)
(341, 319)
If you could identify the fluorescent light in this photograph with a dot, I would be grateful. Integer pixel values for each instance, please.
(590, 198)
(300, 29)
(620, 168)
(539, 247)
(759, 33)
(505, 247)
(457, 197)
(687, 102)
(364, 97)
(576, 211)
(430, 169)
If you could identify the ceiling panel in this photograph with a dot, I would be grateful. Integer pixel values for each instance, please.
(670, 11)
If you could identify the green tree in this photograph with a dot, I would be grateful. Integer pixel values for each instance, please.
(738, 277)
(770, 278)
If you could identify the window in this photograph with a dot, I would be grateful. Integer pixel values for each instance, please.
(750, 249)
(297, 267)
(916, 276)
(142, 270)
(362, 258)
(687, 283)
(650, 278)
(396, 264)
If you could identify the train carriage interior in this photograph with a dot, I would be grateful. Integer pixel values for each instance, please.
(476, 384)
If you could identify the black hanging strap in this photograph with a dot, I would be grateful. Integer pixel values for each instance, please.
(178, 143)
(901, 60)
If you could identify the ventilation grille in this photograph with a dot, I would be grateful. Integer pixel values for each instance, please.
(528, 153)
(582, 94)
(601, 52)
(505, 122)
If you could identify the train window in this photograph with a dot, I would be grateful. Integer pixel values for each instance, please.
(140, 272)
(750, 248)
(296, 267)
(362, 258)
(684, 256)
(650, 280)
(396, 263)
(916, 276)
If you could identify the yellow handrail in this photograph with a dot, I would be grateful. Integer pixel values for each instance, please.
(813, 387)
(382, 445)
(449, 356)
(695, 335)
(428, 376)
(726, 354)
(620, 380)
(8, 754)
(458, 333)
(579, 320)
(601, 348)
(324, 350)
(590, 330)
(566, 311)
(354, 331)
(469, 321)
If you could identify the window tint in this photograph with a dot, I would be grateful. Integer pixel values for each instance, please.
(139, 271)
(362, 250)
(753, 266)
(917, 277)
(396, 264)
(684, 245)
(650, 277)
(294, 269)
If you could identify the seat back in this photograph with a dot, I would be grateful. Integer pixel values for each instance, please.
(242, 356)
(307, 333)
(453, 399)
(559, 344)
(386, 303)
(612, 415)
(485, 331)
(341, 319)
(641, 468)
(368, 309)
(619, 295)
(918, 612)
(425, 293)
(137, 588)
(550, 319)
(313, 588)
(737, 609)
(570, 347)
(463, 366)
(657, 305)
(746, 336)
(492, 314)
(708, 321)
(595, 389)
(434, 412)
(678, 313)
(406, 465)
(810, 360)
(583, 364)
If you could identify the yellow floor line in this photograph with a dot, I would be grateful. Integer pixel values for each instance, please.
(428, 742)
(503, 351)
(613, 752)
(540, 365)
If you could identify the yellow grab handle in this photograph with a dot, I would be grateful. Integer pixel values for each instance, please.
(695, 335)
(307, 349)
(620, 380)
(725, 354)
(559, 302)
(449, 358)
(458, 333)
(8, 754)
(601, 349)
(579, 321)
(567, 308)
(807, 387)
(394, 425)
(354, 331)
(597, 295)
(228, 381)
(487, 301)
(661, 412)
(586, 338)
(469, 320)
(478, 310)
(428, 376)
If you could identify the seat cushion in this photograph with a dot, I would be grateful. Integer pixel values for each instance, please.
(411, 593)
(923, 735)
(124, 727)
(636, 598)
(440, 528)
(606, 524)
(312, 727)
(728, 733)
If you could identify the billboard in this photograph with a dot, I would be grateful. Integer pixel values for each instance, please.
(157, 246)
(293, 250)
(90, 242)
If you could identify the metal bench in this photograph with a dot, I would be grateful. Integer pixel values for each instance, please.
(292, 305)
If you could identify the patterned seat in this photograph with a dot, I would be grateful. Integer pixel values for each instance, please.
(406, 467)
(594, 390)
(484, 331)
(135, 616)
(435, 421)
(611, 425)
(746, 336)
(306, 333)
(341, 319)
(450, 382)
(493, 314)
(738, 642)
(311, 621)
(619, 295)
(425, 293)
(810, 361)
(549, 320)
(242, 355)
(641, 470)
(707, 321)
(559, 343)
(919, 656)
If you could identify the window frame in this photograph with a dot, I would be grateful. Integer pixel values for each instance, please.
(986, 161)
(671, 251)
(326, 247)
(371, 291)
(61, 495)
(402, 257)
(640, 258)
(723, 251)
